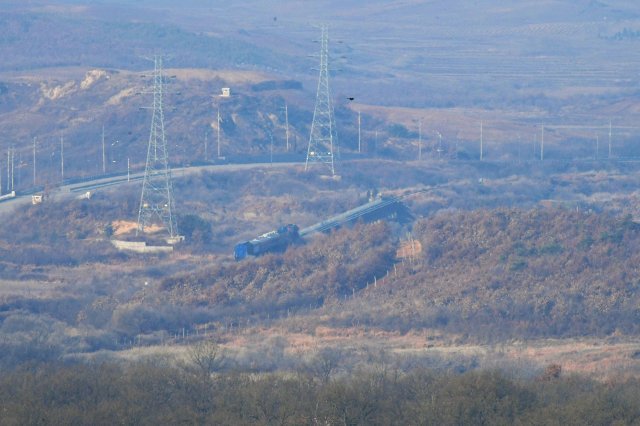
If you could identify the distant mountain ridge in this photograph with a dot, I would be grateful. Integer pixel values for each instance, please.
(57, 40)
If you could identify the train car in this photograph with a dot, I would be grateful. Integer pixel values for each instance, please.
(378, 209)
(278, 240)
(274, 241)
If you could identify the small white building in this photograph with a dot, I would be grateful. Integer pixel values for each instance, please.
(226, 92)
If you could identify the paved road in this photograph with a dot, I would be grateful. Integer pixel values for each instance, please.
(75, 190)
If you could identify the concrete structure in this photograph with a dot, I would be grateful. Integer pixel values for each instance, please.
(140, 247)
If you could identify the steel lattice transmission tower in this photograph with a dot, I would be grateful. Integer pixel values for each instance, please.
(323, 138)
(156, 201)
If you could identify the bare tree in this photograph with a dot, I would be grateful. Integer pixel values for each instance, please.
(206, 358)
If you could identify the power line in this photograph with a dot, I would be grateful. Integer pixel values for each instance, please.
(13, 157)
(609, 154)
(62, 156)
(104, 163)
(481, 141)
(8, 169)
(218, 121)
(323, 129)
(359, 133)
(420, 139)
(542, 142)
(156, 200)
(286, 124)
(34, 161)
(206, 143)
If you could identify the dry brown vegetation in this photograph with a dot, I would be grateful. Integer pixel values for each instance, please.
(483, 276)
(328, 267)
(475, 278)
(512, 273)
(513, 264)
(160, 394)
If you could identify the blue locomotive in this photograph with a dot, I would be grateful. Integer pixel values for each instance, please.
(274, 241)
(277, 241)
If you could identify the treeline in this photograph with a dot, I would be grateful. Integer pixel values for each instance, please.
(190, 394)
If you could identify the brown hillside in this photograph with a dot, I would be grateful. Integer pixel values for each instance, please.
(487, 273)
(498, 273)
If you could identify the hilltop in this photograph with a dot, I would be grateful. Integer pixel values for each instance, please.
(506, 273)
(451, 66)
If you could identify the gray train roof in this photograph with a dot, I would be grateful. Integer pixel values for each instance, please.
(350, 215)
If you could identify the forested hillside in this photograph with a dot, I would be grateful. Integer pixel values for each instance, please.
(328, 267)
(491, 274)
(512, 273)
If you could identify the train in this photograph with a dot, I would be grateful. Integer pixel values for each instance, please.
(274, 241)
(278, 240)
(379, 208)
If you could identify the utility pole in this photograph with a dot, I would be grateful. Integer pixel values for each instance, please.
(62, 157)
(156, 200)
(8, 169)
(128, 169)
(271, 146)
(104, 161)
(609, 156)
(359, 134)
(34, 161)
(481, 141)
(542, 143)
(206, 140)
(13, 156)
(218, 121)
(286, 123)
(420, 140)
(19, 169)
(323, 128)
(597, 146)
(375, 141)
